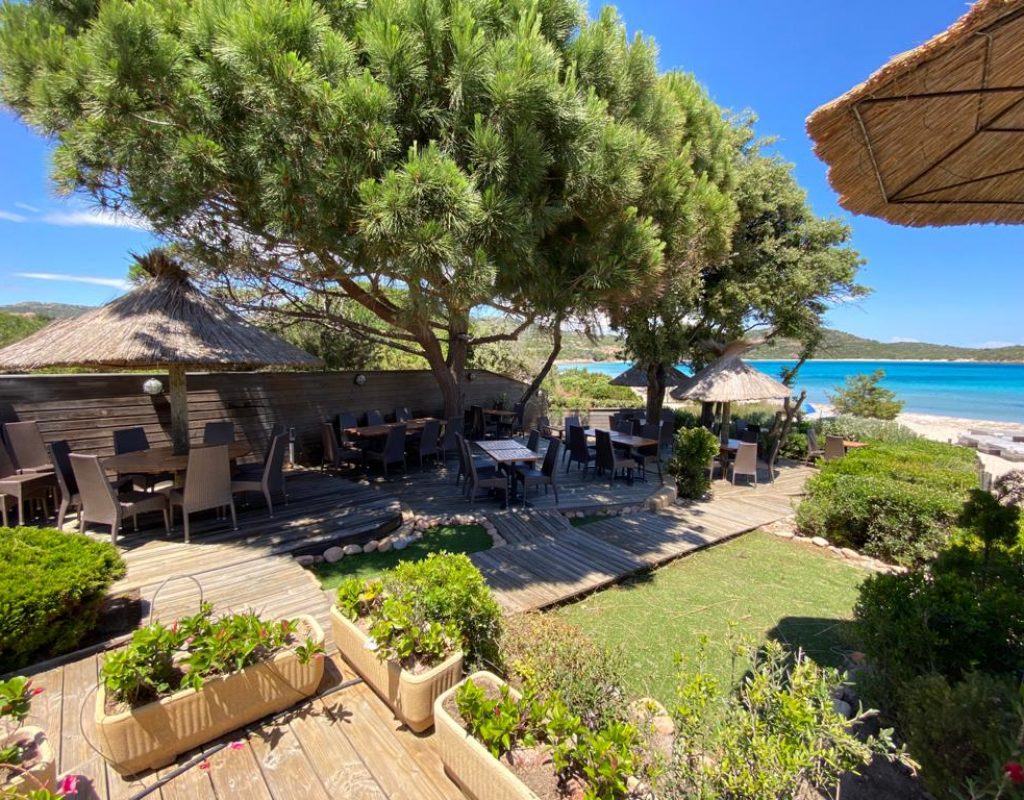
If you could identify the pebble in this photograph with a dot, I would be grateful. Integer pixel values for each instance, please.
(849, 552)
(370, 546)
(820, 541)
(783, 534)
(351, 549)
(842, 708)
(400, 544)
(304, 561)
(384, 544)
(332, 554)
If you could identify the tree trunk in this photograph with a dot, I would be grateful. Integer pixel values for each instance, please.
(655, 391)
(556, 348)
(790, 410)
(178, 396)
(450, 371)
(707, 414)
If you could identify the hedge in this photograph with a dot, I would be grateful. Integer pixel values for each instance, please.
(894, 501)
(52, 587)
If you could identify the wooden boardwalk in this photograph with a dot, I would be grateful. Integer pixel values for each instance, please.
(547, 561)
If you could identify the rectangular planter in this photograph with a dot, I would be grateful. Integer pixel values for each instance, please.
(44, 773)
(478, 774)
(410, 696)
(153, 735)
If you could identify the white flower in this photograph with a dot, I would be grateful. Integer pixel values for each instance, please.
(371, 643)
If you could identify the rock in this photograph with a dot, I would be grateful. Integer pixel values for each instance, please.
(351, 549)
(842, 708)
(783, 534)
(370, 546)
(332, 554)
(304, 561)
(820, 541)
(384, 544)
(849, 552)
(400, 543)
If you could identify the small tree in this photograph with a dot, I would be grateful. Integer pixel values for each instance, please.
(863, 396)
(695, 447)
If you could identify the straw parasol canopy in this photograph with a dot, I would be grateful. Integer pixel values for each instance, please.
(936, 136)
(165, 323)
(636, 377)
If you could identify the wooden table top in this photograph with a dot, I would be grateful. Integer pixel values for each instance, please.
(508, 452)
(499, 412)
(370, 431)
(626, 439)
(163, 459)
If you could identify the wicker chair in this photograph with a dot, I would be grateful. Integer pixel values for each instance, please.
(374, 417)
(334, 453)
(745, 462)
(477, 479)
(268, 478)
(219, 433)
(579, 451)
(393, 451)
(533, 442)
(814, 449)
(134, 440)
(27, 447)
(547, 475)
(427, 442)
(60, 454)
(207, 485)
(454, 427)
(19, 489)
(483, 466)
(835, 448)
(402, 414)
(649, 455)
(610, 459)
(103, 506)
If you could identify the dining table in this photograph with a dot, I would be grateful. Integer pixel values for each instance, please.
(157, 460)
(501, 413)
(507, 453)
(627, 440)
(373, 431)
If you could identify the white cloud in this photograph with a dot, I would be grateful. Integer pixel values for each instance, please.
(116, 283)
(10, 216)
(26, 207)
(97, 217)
(903, 340)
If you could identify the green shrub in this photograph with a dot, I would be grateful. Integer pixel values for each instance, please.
(425, 608)
(957, 731)
(695, 447)
(547, 656)
(863, 396)
(52, 587)
(897, 502)
(776, 734)
(859, 429)
(684, 419)
(573, 389)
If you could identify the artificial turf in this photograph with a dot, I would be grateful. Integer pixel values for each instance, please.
(752, 587)
(450, 538)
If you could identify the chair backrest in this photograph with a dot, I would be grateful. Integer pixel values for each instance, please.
(605, 451)
(26, 444)
(746, 459)
(130, 440)
(329, 442)
(740, 426)
(652, 430)
(431, 434)
(99, 503)
(637, 426)
(468, 465)
(668, 432)
(273, 466)
(402, 415)
(749, 435)
(623, 426)
(6, 462)
(452, 429)
(59, 457)
(533, 442)
(571, 420)
(275, 430)
(478, 425)
(219, 433)
(669, 416)
(578, 444)
(208, 479)
(347, 420)
(394, 445)
(753, 426)
(549, 467)
(460, 446)
(834, 448)
(812, 439)
(543, 425)
(374, 417)
(520, 411)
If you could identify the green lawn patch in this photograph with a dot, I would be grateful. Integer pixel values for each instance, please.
(763, 585)
(579, 522)
(451, 538)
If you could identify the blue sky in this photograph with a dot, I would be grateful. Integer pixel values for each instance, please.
(951, 285)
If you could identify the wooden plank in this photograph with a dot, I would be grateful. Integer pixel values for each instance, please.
(285, 768)
(76, 755)
(192, 784)
(236, 774)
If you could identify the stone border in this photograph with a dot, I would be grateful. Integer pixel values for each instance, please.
(787, 529)
(410, 531)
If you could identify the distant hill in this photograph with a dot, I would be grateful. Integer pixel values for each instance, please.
(49, 310)
(837, 344)
(17, 326)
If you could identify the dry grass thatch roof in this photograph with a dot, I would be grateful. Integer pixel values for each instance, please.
(936, 136)
(731, 380)
(163, 322)
(636, 376)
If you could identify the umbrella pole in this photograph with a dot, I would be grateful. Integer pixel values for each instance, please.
(726, 420)
(179, 408)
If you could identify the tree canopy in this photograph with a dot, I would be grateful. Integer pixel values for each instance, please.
(413, 159)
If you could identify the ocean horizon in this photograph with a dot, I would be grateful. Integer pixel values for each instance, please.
(979, 390)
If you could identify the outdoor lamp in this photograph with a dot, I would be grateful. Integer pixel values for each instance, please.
(152, 387)
(359, 379)
(469, 376)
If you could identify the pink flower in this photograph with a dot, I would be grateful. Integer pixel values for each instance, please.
(239, 745)
(68, 785)
(37, 690)
(205, 765)
(1015, 771)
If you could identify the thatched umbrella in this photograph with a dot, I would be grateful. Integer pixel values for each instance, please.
(165, 323)
(636, 377)
(731, 380)
(936, 136)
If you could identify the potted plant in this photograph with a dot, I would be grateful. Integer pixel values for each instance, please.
(408, 632)
(27, 762)
(498, 744)
(174, 688)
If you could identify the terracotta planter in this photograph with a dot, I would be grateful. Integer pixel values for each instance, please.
(44, 772)
(153, 735)
(410, 696)
(467, 762)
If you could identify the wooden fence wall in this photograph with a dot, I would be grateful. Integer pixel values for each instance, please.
(84, 409)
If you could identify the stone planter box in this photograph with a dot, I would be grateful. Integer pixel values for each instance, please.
(153, 735)
(43, 772)
(478, 774)
(410, 696)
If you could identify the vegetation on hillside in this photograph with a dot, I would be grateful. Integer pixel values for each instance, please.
(837, 344)
(17, 326)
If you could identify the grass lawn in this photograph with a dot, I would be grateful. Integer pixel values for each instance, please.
(452, 538)
(764, 585)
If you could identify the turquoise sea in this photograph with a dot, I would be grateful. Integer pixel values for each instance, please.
(974, 390)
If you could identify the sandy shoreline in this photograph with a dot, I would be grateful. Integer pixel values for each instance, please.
(935, 426)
